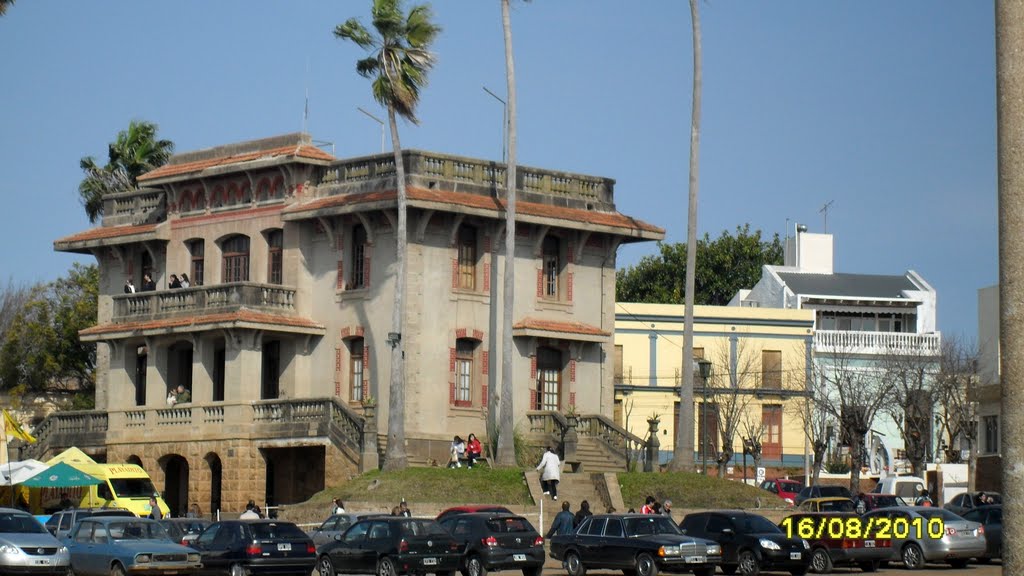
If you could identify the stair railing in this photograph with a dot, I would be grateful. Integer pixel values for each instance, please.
(617, 439)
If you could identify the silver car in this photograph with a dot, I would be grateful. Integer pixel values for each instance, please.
(27, 548)
(333, 526)
(922, 534)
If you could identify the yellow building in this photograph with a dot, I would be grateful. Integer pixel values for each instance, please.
(760, 360)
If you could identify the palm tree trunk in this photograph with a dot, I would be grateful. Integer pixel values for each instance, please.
(395, 457)
(682, 455)
(506, 445)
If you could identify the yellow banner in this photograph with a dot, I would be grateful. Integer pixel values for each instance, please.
(14, 430)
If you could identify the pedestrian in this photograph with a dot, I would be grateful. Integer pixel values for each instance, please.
(403, 509)
(648, 507)
(581, 514)
(860, 504)
(396, 511)
(175, 283)
(65, 501)
(147, 283)
(458, 451)
(182, 395)
(250, 512)
(194, 511)
(129, 287)
(924, 499)
(339, 507)
(551, 473)
(473, 449)
(666, 508)
(154, 509)
(563, 522)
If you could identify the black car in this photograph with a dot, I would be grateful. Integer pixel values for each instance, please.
(61, 522)
(184, 530)
(389, 546)
(492, 542)
(637, 544)
(456, 510)
(822, 492)
(963, 503)
(991, 516)
(750, 543)
(247, 547)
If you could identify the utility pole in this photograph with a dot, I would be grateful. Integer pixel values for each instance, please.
(378, 121)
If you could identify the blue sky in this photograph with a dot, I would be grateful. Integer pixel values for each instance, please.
(885, 108)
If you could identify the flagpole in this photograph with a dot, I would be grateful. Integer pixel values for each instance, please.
(7, 447)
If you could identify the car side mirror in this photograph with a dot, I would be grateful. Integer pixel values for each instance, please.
(728, 532)
(337, 537)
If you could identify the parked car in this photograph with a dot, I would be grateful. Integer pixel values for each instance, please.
(184, 530)
(874, 501)
(827, 551)
(640, 544)
(334, 526)
(783, 488)
(115, 546)
(961, 539)
(496, 541)
(28, 548)
(829, 504)
(822, 492)
(750, 543)
(389, 546)
(991, 517)
(964, 503)
(250, 547)
(906, 487)
(62, 521)
(469, 510)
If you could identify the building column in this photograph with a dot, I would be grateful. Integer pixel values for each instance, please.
(202, 369)
(156, 373)
(119, 389)
(1010, 139)
(243, 365)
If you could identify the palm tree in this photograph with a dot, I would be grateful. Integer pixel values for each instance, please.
(135, 152)
(398, 64)
(682, 454)
(506, 446)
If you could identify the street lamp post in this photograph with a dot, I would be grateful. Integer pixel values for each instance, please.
(378, 121)
(704, 366)
(504, 120)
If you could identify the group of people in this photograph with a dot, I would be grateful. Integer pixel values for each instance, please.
(652, 506)
(252, 512)
(338, 507)
(462, 450)
(179, 395)
(149, 285)
(566, 522)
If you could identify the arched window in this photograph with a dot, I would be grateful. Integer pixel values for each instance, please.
(236, 259)
(355, 369)
(467, 258)
(275, 261)
(552, 266)
(549, 379)
(358, 278)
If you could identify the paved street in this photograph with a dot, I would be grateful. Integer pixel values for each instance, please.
(553, 567)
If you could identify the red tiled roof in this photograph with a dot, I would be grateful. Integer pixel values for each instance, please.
(613, 219)
(304, 151)
(107, 232)
(553, 326)
(243, 315)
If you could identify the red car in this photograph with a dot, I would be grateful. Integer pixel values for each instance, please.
(784, 488)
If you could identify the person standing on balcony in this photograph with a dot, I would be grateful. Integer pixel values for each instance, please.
(551, 473)
(129, 287)
(185, 282)
(183, 395)
(175, 283)
(147, 283)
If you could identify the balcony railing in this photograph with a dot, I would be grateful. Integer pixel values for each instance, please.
(134, 207)
(853, 342)
(161, 304)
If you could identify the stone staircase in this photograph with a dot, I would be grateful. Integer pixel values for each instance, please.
(601, 490)
(594, 456)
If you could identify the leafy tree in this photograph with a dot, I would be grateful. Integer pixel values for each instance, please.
(40, 350)
(724, 266)
(135, 152)
(398, 64)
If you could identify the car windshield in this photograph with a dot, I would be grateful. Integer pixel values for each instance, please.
(753, 524)
(790, 486)
(647, 525)
(834, 491)
(502, 525)
(137, 531)
(423, 528)
(275, 531)
(837, 506)
(132, 487)
(13, 523)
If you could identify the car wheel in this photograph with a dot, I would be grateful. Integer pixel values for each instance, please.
(386, 567)
(574, 565)
(646, 566)
(117, 570)
(821, 562)
(533, 571)
(959, 563)
(474, 567)
(325, 567)
(748, 564)
(913, 558)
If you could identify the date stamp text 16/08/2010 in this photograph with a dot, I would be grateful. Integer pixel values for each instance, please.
(837, 528)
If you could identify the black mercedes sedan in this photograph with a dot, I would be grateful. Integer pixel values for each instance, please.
(750, 543)
(389, 546)
(640, 544)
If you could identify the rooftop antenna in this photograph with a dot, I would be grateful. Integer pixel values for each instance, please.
(824, 212)
(305, 111)
(378, 121)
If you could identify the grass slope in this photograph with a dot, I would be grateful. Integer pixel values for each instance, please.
(480, 485)
(688, 490)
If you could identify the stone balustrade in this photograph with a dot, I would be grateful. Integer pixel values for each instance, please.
(160, 304)
(134, 207)
(853, 342)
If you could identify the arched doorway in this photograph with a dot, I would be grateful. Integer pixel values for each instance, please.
(216, 469)
(133, 459)
(175, 469)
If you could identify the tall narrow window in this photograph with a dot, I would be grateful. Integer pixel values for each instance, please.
(198, 249)
(771, 419)
(549, 379)
(991, 431)
(708, 435)
(358, 279)
(464, 349)
(467, 258)
(275, 262)
(355, 369)
(552, 266)
(771, 369)
(236, 259)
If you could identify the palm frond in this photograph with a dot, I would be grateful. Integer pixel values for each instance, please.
(420, 31)
(354, 30)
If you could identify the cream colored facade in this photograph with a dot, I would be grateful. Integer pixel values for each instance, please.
(762, 353)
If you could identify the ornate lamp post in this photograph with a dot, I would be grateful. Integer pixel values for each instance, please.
(704, 366)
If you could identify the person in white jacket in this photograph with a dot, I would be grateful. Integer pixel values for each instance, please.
(552, 471)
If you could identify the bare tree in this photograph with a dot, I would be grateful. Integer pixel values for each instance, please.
(815, 420)
(13, 298)
(910, 379)
(957, 413)
(734, 382)
(753, 436)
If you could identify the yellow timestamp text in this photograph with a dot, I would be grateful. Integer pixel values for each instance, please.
(849, 528)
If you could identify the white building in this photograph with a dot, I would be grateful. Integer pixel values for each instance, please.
(988, 394)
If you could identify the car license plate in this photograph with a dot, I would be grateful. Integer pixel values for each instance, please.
(43, 562)
(695, 559)
(519, 557)
(430, 561)
(284, 546)
(794, 555)
(869, 543)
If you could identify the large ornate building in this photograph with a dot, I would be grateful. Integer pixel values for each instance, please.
(283, 335)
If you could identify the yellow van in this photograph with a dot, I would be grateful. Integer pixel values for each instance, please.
(125, 486)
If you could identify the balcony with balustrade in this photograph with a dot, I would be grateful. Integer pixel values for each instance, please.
(203, 300)
(877, 343)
